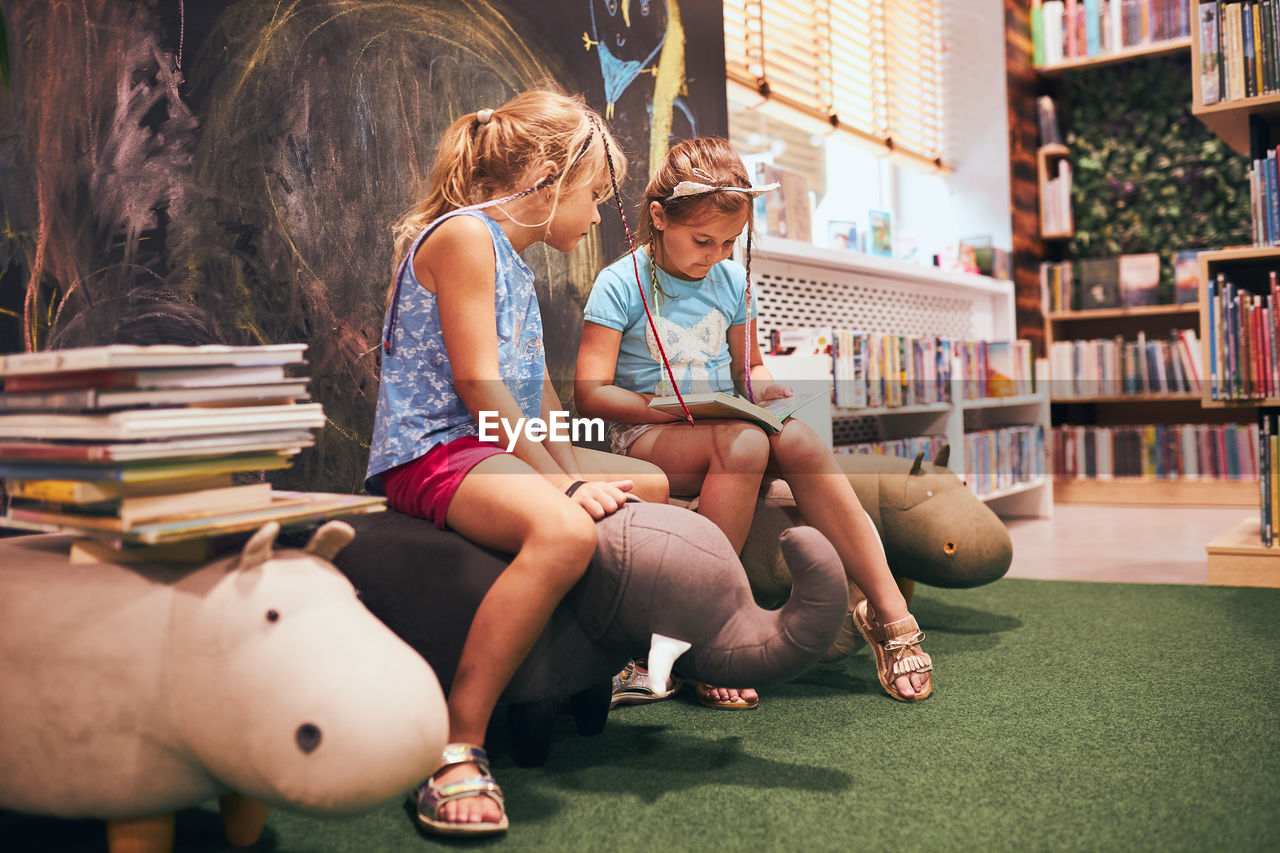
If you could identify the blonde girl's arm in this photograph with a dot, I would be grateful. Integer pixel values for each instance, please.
(593, 388)
(461, 264)
(561, 451)
(762, 384)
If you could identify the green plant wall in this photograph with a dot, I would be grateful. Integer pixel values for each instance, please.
(1147, 175)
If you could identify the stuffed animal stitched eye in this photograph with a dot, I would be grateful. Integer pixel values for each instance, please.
(273, 615)
(949, 547)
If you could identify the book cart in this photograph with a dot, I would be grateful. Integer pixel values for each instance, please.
(802, 286)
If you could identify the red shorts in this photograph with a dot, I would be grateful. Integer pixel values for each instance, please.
(425, 487)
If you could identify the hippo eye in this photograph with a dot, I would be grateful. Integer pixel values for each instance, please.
(273, 616)
(949, 547)
(308, 737)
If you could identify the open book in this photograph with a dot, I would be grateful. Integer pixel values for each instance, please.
(770, 414)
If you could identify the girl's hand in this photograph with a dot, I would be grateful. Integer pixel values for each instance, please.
(601, 498)
(775, 391)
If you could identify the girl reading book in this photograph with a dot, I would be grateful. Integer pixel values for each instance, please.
(462, 339)
(678, 312)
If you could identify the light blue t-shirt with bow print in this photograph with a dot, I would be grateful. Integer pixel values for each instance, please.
(418, 406)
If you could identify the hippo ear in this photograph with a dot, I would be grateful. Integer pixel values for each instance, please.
(330, 539)
(943, 457)
(915, 466)
(258, 549)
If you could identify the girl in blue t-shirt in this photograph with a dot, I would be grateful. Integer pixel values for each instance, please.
(695, 207)
(462, 345)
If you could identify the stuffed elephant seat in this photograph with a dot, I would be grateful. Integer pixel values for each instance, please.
(658, 570)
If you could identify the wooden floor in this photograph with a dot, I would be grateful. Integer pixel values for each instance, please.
(1134, 544)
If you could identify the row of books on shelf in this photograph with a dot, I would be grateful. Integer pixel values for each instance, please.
(1243, 341)
(876, 370)
(1238, 49)
(1123, 281)
(997, 458)
(1264, 199)
(1055, 201)
(150, 446)
(1070, 29)
(1003, 457)
(1157, 452)
(1113, 367)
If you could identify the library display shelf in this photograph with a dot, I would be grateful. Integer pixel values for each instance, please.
(1047, 159)
(1134, 492)
(1140, 51)
(1179, 397)
(799, 286)
(1248, 267)
(1238, 558)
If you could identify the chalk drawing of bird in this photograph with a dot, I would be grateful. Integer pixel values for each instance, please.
(627, 35)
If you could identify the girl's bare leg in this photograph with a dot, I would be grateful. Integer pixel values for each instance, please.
(504, 504)
(723, 462)
(826, 500)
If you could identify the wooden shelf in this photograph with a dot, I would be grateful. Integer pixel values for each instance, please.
(1016, 489)
(922, 408)
(1230, 119)
(1181, 397)
(1253, 403)
(1157, 492)
(1140, 51)
(1241, 253)
(1238, 557)
(1046, 157)
(1004, 402)
(1135, 311)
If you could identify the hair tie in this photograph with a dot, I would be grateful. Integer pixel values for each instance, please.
(484, 116)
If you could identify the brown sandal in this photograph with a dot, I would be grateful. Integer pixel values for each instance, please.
(897, 650)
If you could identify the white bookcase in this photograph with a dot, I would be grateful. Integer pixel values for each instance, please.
(802, 286)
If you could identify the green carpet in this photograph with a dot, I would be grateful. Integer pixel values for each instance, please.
(1066, 716)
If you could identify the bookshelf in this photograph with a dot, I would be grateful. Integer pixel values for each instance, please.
(1155, 321)
(1229, 120)
(798, 285)
(1247, 267)
(1160, 48)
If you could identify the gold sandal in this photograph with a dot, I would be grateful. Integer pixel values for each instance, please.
(897, 650)
(429, 798)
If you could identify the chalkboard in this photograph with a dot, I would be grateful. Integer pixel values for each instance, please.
(190, 172)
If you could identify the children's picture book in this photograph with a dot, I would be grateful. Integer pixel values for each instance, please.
(127, 513)
(91, 399)
(136, 472)
(881, 230)
(770, 414)
(85, 492)
(1099, 282)
(1139, 279)
(1186, 276)
(128, 355)
(163, 423)
(1000, 369)
(161, 377)
(287, 509)
(83, 451)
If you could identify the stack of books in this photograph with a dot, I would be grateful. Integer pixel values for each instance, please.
(140, 446)
(1244, 339)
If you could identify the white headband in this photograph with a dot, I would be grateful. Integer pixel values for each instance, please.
(684, 189)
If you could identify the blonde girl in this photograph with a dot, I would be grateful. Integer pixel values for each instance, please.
(462, 337)
(695, 207)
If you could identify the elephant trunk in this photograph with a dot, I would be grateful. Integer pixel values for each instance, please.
(663, 570)
(758, 647)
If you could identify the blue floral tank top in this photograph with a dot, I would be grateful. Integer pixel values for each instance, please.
(418, 407)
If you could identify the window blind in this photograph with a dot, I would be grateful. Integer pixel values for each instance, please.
(872, 68)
